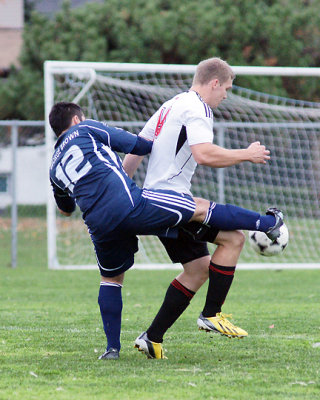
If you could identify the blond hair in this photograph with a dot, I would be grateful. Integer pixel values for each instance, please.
(210, 69)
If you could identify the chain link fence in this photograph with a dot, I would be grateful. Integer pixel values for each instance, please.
(23, 193)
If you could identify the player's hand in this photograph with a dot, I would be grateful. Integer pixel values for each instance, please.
(66, 214)
(257, 153)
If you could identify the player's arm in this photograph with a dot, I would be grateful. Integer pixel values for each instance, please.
(66, 204)
(200, 136)
(218, 157)
(66, 214)
(142, 147)
(119, 139)
(131, 162)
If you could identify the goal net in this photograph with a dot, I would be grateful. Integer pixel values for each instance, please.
(126, 95)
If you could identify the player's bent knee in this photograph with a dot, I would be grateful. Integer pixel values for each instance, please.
(115, 279)
(240, 238)
(237, 239)
(231, 238)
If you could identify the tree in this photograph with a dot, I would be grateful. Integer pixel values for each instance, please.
(244, 32)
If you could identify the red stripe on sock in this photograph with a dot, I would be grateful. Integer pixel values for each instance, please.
(220, 271)
(182, 289)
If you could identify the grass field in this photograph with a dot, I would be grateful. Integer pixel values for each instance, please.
(51, 335)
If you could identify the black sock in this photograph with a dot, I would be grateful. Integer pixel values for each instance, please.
(220, 279)
(175, 302)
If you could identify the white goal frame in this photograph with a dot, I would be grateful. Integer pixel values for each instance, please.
(90, 68)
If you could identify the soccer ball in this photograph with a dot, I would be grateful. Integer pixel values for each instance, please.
(260, 242)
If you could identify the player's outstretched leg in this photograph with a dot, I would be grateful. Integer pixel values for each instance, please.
(229, 217)
(151, 349)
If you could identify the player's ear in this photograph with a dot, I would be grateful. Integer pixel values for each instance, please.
(75, 120)
(215, 83)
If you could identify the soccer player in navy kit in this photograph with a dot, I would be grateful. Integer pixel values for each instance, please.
(87, 171)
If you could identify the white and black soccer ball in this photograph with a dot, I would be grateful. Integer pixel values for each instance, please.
(260, 242)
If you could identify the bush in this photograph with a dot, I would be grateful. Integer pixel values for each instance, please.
(250, 32)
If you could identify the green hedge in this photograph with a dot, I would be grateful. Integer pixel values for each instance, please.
(247, 32)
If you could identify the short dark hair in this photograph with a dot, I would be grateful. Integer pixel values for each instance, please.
(61, 115)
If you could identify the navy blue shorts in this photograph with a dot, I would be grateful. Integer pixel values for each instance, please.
(160, 213)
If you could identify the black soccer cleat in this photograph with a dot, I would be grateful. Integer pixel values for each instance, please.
(111, 354)
(274, 232)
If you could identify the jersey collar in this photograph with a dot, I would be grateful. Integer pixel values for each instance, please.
(200, 98)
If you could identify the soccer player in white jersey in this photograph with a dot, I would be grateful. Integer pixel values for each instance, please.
(182, 135)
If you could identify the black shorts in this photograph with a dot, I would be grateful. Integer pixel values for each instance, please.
(191, 243)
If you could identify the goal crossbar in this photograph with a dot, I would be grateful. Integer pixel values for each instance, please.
(62, 67)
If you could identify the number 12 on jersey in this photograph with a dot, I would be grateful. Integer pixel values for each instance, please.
(67, 170)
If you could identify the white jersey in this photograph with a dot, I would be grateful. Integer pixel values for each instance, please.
(181, 122)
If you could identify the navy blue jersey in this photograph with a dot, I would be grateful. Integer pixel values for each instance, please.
(85, 169)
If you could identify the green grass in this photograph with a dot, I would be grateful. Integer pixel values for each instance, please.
(51, 335)
(31, 242)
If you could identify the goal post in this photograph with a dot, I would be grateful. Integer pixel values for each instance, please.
(126, 95)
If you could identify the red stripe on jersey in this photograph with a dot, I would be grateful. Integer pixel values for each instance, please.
(182, 289)
(161, 121)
